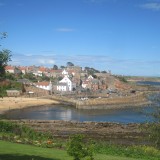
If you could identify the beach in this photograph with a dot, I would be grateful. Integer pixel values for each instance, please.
(10, 103)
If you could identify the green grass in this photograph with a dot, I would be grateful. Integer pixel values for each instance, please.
(13, 151)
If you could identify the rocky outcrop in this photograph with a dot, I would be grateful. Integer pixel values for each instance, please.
(112, 132)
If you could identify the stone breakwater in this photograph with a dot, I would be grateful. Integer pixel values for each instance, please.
(106, 103)
(105, 131)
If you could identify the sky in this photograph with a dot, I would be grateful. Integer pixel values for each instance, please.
(118, 35)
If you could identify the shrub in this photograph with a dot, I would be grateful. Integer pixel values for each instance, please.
(78, 148)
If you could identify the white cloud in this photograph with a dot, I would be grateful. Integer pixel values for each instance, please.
(45, 61)
(65, 30)
(100, 62)
(26, 60)
(155, 6)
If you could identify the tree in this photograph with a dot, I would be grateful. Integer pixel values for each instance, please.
(5, 57)
(70, 64)
(55, 67)
(91, 71)
(103, 72)
(62, 67)
(78, 148)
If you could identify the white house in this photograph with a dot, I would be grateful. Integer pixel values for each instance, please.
(87, 82)
(64, 72)
(65, 84)
(9, 69)
(62, 87)
(90, 77)
(44, 85)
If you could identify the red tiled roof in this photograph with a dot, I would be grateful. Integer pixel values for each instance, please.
(56, 71)
(43, 83)
(42, 69)
(22, 68)
(9, 68)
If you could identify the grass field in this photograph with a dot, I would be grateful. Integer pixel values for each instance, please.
(13, 151)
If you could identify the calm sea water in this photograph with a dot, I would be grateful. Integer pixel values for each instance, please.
(55, 112)
(149, 83)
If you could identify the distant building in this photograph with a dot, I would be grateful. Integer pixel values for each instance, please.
(67, 81)
(13, 93)
(9, 69)
(22, 69)
(64, 72)
(65, 85)
(62, 87)
(44, 85)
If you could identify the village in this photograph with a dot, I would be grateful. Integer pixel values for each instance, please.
(69, 80)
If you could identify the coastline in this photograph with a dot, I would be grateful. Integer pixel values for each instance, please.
(102, 131)
(10, 103)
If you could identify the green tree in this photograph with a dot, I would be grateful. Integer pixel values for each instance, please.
(78, 148)
(5, 57)
(55, 67)
(62, 67)
(70, 64)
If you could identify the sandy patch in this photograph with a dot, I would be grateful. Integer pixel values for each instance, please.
(9, 103)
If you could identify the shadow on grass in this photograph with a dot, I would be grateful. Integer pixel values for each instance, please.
(23, 157)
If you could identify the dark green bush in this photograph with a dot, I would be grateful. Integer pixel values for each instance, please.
(79, 148)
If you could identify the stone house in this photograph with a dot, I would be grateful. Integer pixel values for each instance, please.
(13, 93)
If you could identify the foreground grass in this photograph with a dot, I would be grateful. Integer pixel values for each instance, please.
(13, 151)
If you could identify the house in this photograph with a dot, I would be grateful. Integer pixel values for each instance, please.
(55, 73)
(44, 85)
(65, 84)
(90, 77)
(22, 69)
(94, 84)
(13, 69)
(17, 71)
(13, 93)
(87, 83)
(62, 87)
(24, 81)
(9, 69)
(64, 72)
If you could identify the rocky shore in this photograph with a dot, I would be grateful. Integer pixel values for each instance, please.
(104, 131)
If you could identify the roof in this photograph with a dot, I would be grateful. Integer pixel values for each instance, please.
(43, 83)
(23, 80)
(56, 71)
(22, 68)
(42, 69)
(9, 68)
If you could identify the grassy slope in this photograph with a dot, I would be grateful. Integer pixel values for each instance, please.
(13, 151)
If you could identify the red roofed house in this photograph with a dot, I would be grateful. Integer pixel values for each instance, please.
(22, 69)
(9, 69)
(44, 85)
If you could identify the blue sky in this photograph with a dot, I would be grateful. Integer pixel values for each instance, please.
(118, 35)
